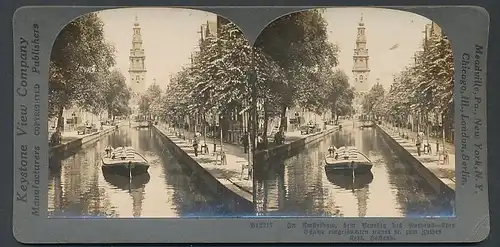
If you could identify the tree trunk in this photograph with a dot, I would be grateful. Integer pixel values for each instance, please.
(283, 118)
(60, 120)
(266, 122)
(204, 129)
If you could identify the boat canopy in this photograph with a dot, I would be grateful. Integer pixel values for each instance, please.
(347, 153)
(123, 152)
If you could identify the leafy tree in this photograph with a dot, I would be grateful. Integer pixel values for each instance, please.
(154, 95)
(299, 44)
(221, 70)
(373, 99)
(144, 106)
(115, 94)
(425, 89)
(270, 82)
(216, 82)
(79, 55)
(338, 94)
(176, 100)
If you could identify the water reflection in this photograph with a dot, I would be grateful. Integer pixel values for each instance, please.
(300, 185)
(126, 183)
(79, 188)
(348, 181)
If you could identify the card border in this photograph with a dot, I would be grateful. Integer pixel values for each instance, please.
(27, 229)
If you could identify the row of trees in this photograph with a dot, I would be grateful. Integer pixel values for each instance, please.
(291, 64)
(81, 72)
(150, 103)
(423, 90)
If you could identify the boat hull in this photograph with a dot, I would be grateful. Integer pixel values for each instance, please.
(356, 168)
(341, 166)
(124, 161)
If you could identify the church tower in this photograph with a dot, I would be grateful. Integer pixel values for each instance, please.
(137, 70)
(361, 70)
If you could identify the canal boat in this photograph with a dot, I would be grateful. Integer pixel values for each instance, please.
(143, 124)
(350, 181)
(124, 161)
(347, 159)
(367, 124)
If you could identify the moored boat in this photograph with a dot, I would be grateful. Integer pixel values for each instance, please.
(367, 124)
(124, 161)
(143, 124)
(347, 159)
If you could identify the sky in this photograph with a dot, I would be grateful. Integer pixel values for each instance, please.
(171, 35)
(384, 29)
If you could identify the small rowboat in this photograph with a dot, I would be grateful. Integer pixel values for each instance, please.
(124, 161)
(347, 159)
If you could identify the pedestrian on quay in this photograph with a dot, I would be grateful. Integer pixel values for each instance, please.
(260, 142)
(195, 145)
(56, 137)
(277, 138)
(419, 143)
(244, 141)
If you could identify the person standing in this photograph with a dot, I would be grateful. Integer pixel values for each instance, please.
(260, 142)
(244, 141)
(195, 145)
(419, 143)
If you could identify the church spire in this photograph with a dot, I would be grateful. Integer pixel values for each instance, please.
(361, 68)
(136, 20)
(137, 57)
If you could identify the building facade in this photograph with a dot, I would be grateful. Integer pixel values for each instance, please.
(361, 69)
(137, 69)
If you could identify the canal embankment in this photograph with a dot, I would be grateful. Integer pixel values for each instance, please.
(440, 175)
(292, 148)
(229, 181)
(76, 143)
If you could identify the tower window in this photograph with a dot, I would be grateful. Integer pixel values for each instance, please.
(137, 78)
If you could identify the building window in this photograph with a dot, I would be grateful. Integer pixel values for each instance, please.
(361, 78)
(137, 78)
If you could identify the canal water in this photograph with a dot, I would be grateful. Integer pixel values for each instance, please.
(300, 186)
(79, 187)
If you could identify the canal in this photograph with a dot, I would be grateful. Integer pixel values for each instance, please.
(299, 185)
(79, 188)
